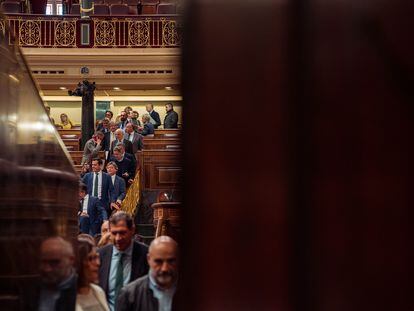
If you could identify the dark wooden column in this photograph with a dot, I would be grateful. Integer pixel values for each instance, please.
(298, 155)
(236, 248)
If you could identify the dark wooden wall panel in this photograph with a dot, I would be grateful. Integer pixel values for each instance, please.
(235, 257)
(298, 155)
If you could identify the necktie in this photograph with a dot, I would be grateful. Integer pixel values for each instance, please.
(95, 186)
(81, 205)
(119, 280)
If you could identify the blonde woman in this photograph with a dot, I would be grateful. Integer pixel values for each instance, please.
(65, 123)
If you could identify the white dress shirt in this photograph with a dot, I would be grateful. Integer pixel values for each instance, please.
(85, 204)
(99, 184)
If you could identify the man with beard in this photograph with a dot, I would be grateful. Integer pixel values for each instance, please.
(58, 289)
(171, 118)
(123, 261)
(156, 290)
(123, 120)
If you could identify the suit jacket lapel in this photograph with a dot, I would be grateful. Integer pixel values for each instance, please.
(135, 264)
(106, 265)
(90, 206)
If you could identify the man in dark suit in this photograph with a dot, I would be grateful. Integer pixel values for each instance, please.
(171, 119)
(91, 212)
(57, 290)
(155, 117)
(148, 128)
(124, 261)
(123, 120)
(103, 126)
(134, 138)
(99, 184)
(155, 291)
(119, 186)
(119, 134)
(126, 168)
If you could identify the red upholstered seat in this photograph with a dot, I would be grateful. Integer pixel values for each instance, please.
(119, 9)
(98, 2)
(150, 2)
(101, 9)
(131, 2)
(10, 7)
(149, 9)
(169, 1)
(133, 9)
(75, 9)
(109, 2)
(166, 8)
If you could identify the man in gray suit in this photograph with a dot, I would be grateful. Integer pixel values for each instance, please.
(171, 119)
(133, 137)
(92, 147)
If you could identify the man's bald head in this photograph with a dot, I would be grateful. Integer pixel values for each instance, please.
(164, 239)
(163, 261)
(119, 134)
(56, 260)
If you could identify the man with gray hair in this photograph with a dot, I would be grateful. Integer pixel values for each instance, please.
(119, 134)
(156, 290)
(148, 128)
(58, 287)
(123, 261)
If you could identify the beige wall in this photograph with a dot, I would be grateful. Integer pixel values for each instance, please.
(73, 109)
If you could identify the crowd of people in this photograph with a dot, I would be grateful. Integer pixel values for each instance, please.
(150, 120)
(121, 140)
(108, 267)
(121, 274)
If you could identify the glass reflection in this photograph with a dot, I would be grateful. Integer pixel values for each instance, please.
(39, 184)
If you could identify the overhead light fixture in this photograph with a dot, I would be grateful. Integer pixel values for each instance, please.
(117, 88)
(168, 88)
(62, 88)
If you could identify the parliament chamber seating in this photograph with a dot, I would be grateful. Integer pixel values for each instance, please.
(166, 8)
(135, 7)
(75, 9)
(161, 142)
(77, 156)
(119, 9)
(11, 7)
(101, 9)
(109, 2)
(149, 6)
(71, 139)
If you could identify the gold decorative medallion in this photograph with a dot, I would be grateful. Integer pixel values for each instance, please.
(138, 33)
(29, 33)
(65, 33)
(104, 33)
(170, 34)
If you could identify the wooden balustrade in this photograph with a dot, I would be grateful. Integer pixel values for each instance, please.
(167, 219)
